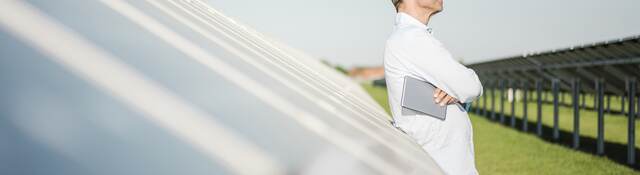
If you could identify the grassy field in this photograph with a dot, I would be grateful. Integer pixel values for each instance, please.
(503, 150)
(615, 124)
(379, 94)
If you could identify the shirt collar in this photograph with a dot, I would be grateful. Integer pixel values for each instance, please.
(406, 19)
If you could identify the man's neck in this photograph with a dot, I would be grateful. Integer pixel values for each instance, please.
(422, 15)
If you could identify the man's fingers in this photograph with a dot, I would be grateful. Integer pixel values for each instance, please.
(453, 101)
(440, 97)
(445, 100)
(436, 92)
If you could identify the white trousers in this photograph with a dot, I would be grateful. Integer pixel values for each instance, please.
(449, 142)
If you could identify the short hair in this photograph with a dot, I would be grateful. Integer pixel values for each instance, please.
(396, 3)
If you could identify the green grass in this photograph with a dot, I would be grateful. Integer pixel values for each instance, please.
(379, 94)
(615, 124)
(503, 150)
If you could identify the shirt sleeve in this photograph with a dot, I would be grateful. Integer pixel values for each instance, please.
(428, 59)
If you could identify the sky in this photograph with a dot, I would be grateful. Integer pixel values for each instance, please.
(353, 32)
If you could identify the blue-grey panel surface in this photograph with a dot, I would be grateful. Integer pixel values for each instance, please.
(176, 87)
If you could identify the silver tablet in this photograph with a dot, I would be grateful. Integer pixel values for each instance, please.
(417, 98)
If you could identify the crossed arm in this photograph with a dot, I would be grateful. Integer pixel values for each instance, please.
(427, 59)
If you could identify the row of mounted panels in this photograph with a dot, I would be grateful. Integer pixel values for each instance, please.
(176, 87)
(613, 62)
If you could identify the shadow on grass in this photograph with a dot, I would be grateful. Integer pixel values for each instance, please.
(614, 151)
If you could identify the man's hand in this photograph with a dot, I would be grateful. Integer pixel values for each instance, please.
(443, 98)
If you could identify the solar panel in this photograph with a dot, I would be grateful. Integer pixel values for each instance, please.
(613, 61)
(176, 87)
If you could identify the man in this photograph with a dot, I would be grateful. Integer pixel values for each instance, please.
(411, 50)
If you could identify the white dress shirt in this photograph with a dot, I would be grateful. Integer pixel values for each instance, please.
(411, 50)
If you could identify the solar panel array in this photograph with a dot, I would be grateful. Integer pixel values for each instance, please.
(176, 87)
(613, 61)
(603, 69)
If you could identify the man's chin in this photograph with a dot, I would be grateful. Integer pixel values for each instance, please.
(438, 11)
